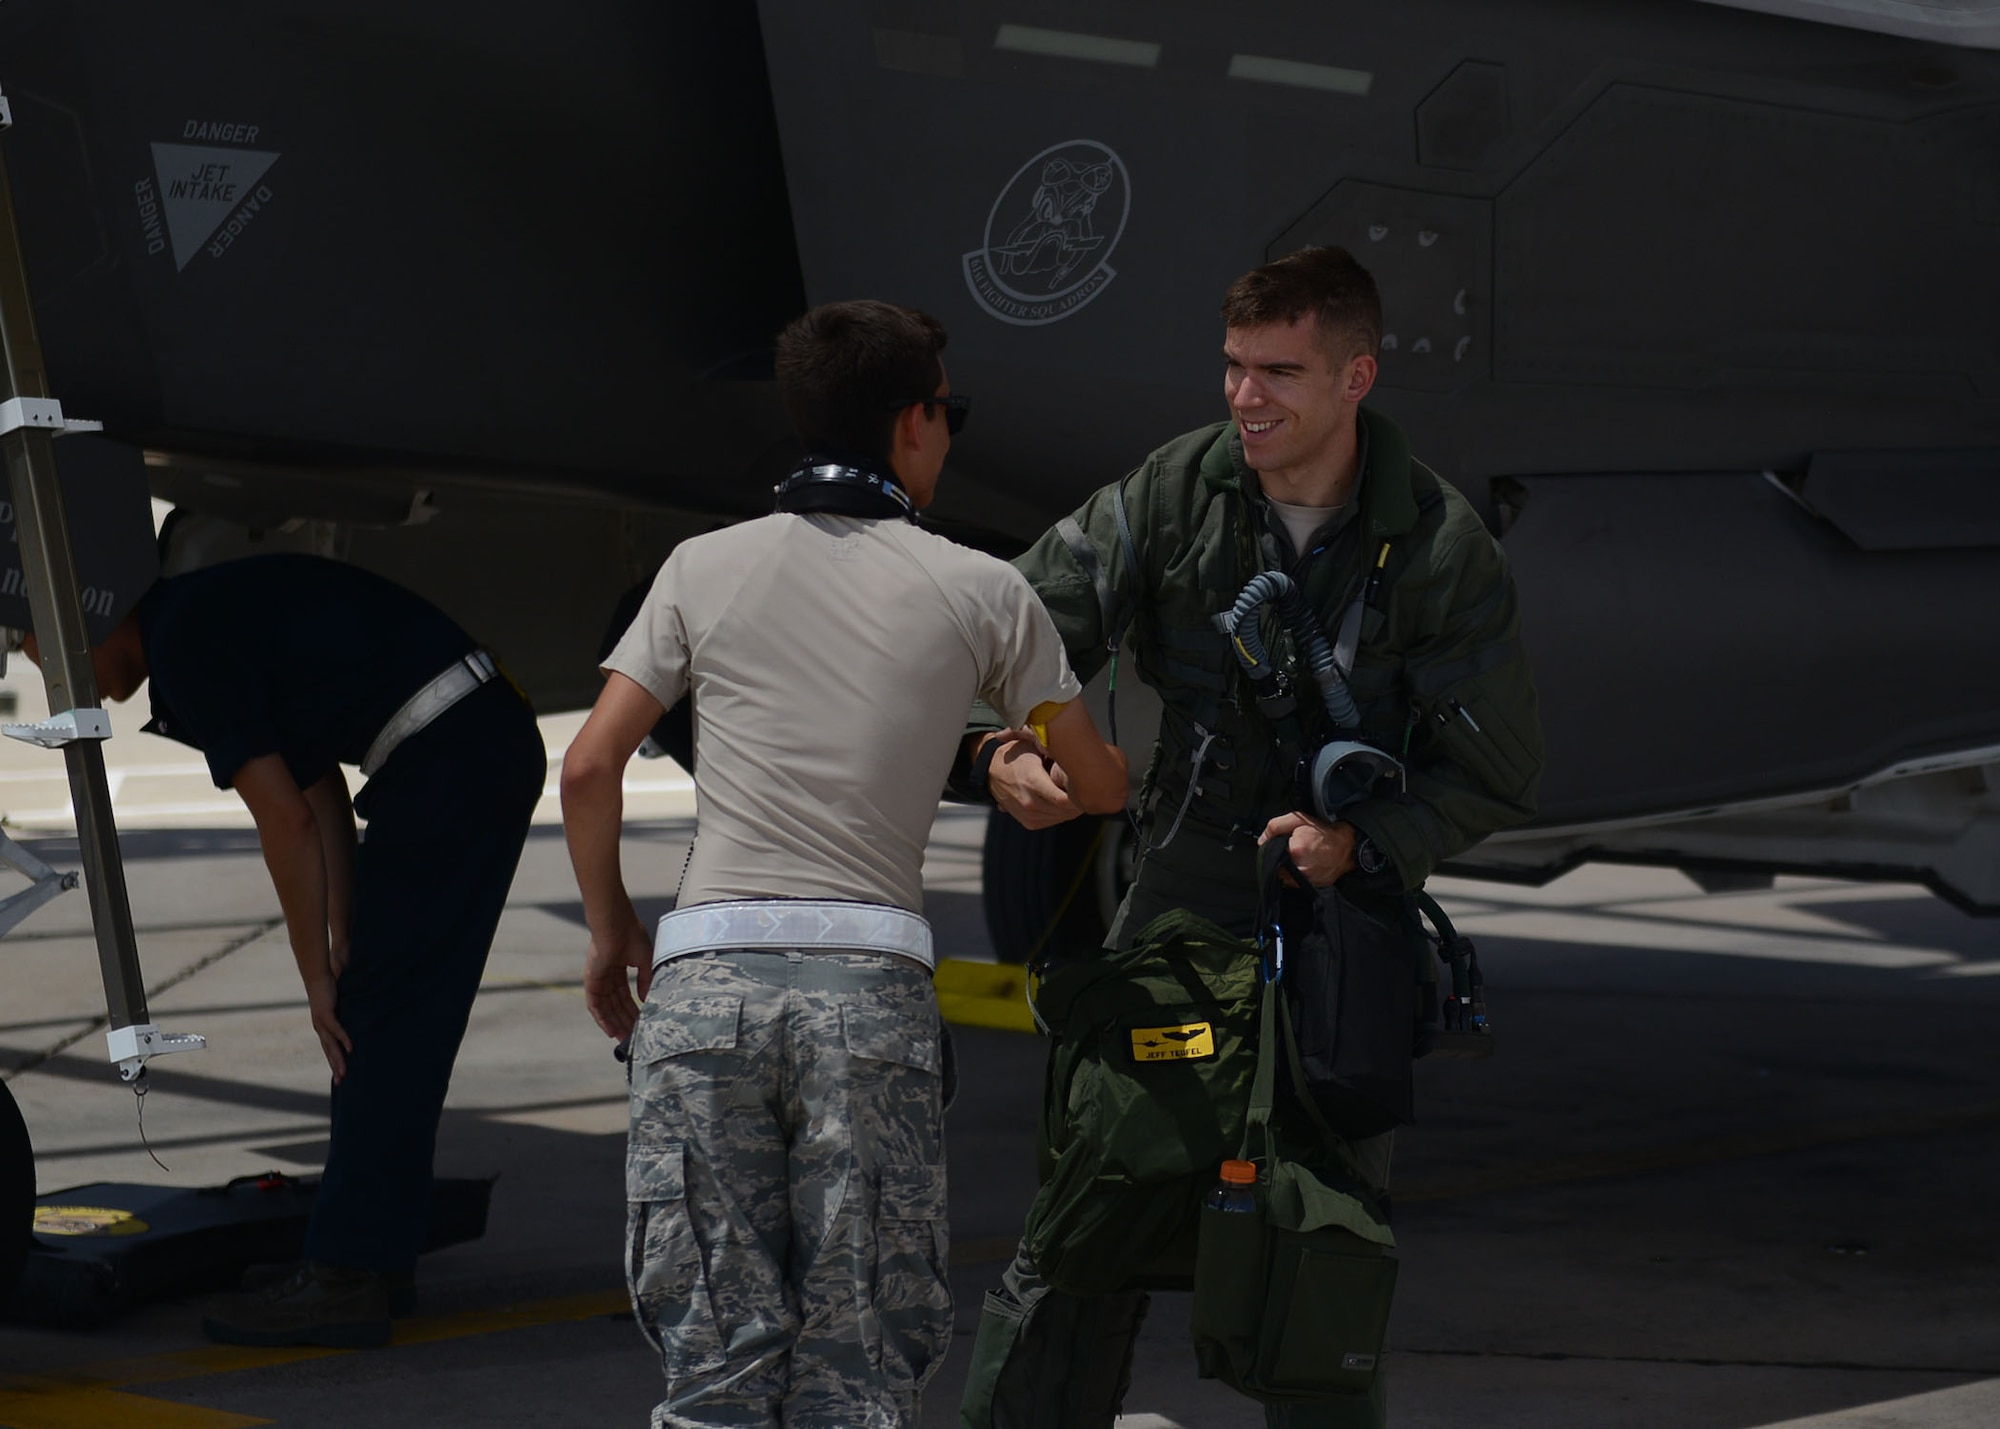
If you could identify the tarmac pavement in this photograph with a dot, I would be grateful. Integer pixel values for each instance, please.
(1735, 1164)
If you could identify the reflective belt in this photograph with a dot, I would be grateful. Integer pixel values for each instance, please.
(459, 679)
(820, 924)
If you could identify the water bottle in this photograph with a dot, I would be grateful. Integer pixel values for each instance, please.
(1237, 1188)
(1232, 1263)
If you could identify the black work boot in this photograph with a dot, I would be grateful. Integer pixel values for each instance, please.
(265, 1274)
(315, 1305)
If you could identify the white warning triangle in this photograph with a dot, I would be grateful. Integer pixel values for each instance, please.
(201, 187)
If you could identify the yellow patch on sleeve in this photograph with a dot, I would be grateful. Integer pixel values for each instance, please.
(1041, 714)
(1188, 1042)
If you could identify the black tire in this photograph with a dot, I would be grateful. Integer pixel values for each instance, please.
(1053, 891)
(17, 1193)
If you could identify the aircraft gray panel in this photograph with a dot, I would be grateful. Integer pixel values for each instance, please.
(914, 211)
(1637, 320)
(1685, 240)
(1908, 501)
(456, 233)
(1677, 240)
(1703, 639)
(511, 255)
(1461, 121)
(1952, 22)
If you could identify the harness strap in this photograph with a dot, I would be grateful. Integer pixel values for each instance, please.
(1131, 565)
(1264, 1085)
(1124, 527)
(1194, 780)
(1349, 640)
(1273, 857)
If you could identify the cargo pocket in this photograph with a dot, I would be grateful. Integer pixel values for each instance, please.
(685, 1027)
(664, 1268)
(907, 1035)
(912, 1292)
(1326, 1315)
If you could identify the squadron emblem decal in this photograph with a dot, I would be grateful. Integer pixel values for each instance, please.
(1050, 234)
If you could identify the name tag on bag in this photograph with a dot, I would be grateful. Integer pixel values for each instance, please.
(1188, 1042)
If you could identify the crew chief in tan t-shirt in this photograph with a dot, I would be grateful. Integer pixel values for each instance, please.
(785, 1178)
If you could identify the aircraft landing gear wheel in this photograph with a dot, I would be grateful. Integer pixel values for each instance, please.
(17, 1192)
(1054, 891)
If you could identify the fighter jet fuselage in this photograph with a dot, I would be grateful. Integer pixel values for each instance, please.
(1696, 303)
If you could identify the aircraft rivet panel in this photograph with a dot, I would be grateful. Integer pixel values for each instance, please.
(1428, 253)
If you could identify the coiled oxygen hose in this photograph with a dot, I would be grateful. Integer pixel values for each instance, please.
(1313, 644)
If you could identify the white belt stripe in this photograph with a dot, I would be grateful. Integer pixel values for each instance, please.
(459, 679)
(794, 923)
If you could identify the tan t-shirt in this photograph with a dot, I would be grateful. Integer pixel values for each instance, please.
(832, 661)
(1303, 522)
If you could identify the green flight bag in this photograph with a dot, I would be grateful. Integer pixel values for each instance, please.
(1147, 1088)
(1291, 1300)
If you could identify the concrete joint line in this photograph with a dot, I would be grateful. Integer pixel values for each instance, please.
(99, 1023)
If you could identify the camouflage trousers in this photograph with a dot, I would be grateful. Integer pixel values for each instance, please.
(786, 1237)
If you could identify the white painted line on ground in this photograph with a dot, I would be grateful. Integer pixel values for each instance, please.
(1970, 1406)
(158, 794)
(611, 1117)
(1607, 931)
(1644, 885)
(1991, 969)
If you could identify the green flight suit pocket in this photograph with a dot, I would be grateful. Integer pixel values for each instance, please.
(1381, 697)
(1473, 734)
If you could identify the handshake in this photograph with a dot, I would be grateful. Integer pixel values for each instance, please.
(1050, 771)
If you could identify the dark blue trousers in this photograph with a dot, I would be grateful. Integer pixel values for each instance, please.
(447, 815)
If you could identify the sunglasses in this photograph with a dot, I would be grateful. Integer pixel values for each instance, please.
(955, 407)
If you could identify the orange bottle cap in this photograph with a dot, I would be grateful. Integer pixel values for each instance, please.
(1240, 1173)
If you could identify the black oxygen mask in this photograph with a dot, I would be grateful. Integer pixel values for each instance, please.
(1340, 768)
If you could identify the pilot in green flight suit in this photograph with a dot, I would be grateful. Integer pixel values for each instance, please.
(1303, 480)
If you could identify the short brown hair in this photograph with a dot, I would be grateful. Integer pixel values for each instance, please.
(1324, 283)
(843, 366)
